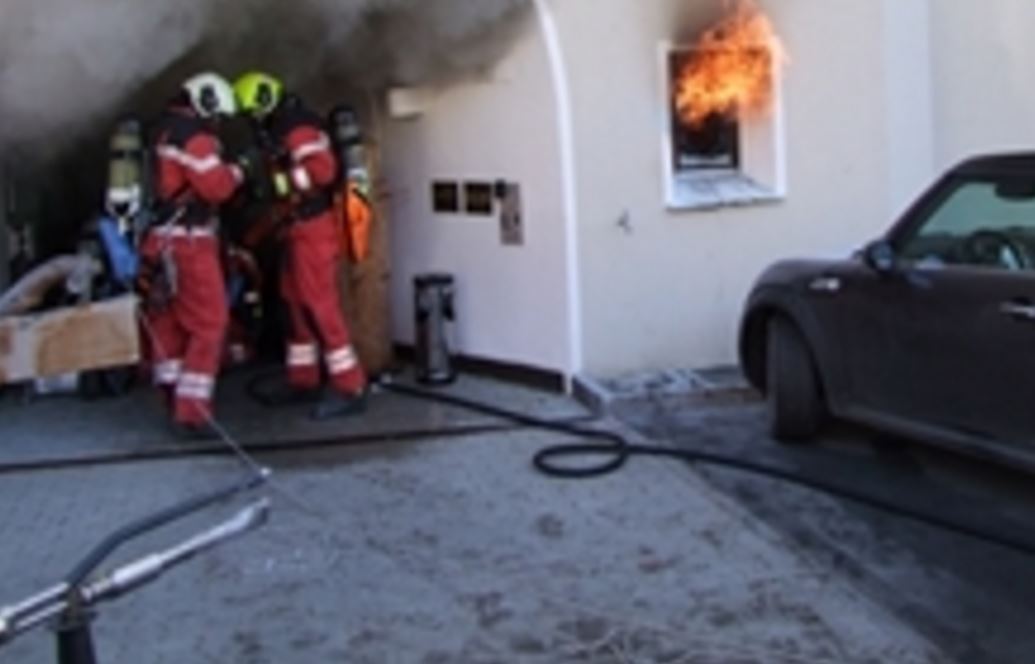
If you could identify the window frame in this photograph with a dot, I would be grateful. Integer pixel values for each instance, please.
(761, 174)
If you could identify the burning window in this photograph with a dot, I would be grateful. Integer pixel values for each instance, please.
(724, 142)
(710, 142)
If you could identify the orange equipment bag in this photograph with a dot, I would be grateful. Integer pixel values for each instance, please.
(356, 218)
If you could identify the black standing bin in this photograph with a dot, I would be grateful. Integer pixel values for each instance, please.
(433, 314)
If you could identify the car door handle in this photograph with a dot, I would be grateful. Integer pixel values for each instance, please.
(825, 285)
(1019, 310)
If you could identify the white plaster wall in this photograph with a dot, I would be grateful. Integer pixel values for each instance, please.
(983, 77)
(512, 301)
(670, 292)
(909, 99)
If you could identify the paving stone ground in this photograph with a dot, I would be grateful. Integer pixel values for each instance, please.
(443, 551)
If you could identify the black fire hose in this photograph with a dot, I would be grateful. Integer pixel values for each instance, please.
(615, 451)
(131, 531)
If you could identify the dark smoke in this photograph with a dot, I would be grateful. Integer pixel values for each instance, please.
(68, 68)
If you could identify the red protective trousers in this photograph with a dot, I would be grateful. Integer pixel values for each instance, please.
(309, 286)
(187, 336)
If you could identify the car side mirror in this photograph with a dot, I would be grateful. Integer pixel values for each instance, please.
(880, 257)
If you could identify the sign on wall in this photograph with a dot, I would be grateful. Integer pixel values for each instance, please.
(445, 197)
(478, 198)
(483, 199)
(512, 223)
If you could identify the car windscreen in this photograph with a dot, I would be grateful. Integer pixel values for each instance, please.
(971, 221)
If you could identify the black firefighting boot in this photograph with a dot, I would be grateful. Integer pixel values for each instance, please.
(336, 404)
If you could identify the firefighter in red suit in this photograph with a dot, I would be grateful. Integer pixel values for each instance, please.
(184, 296)
(305, 172)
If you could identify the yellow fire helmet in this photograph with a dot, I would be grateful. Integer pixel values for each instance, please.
(258, 93)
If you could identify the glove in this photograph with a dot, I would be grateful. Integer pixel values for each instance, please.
(252, 312)
(281, 184)
(156, 284)
(147, 286)
(249, 163)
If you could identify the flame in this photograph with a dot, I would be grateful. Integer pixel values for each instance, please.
(730, 70)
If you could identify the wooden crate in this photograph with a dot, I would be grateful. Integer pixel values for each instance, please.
(100, 335)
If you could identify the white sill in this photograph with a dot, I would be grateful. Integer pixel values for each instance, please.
(708, 190)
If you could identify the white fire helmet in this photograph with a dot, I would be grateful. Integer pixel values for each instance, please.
(211, 95)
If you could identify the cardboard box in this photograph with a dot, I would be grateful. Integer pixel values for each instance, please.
(100, 335)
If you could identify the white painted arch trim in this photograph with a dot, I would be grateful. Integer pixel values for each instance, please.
(569, 182)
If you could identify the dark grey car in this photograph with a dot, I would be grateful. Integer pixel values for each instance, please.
(928, 332)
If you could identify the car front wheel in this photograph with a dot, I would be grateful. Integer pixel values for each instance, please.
(796, 409)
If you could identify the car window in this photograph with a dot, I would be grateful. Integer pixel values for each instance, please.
(984, 224)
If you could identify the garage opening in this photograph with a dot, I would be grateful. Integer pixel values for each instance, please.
(68, 85)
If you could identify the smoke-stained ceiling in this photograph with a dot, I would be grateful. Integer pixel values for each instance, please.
(66, 65)
(70, 68)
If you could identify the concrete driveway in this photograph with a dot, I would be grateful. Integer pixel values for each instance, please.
(970, 597)
(451, 549)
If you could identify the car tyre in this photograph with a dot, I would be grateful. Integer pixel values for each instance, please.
(795, 401)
